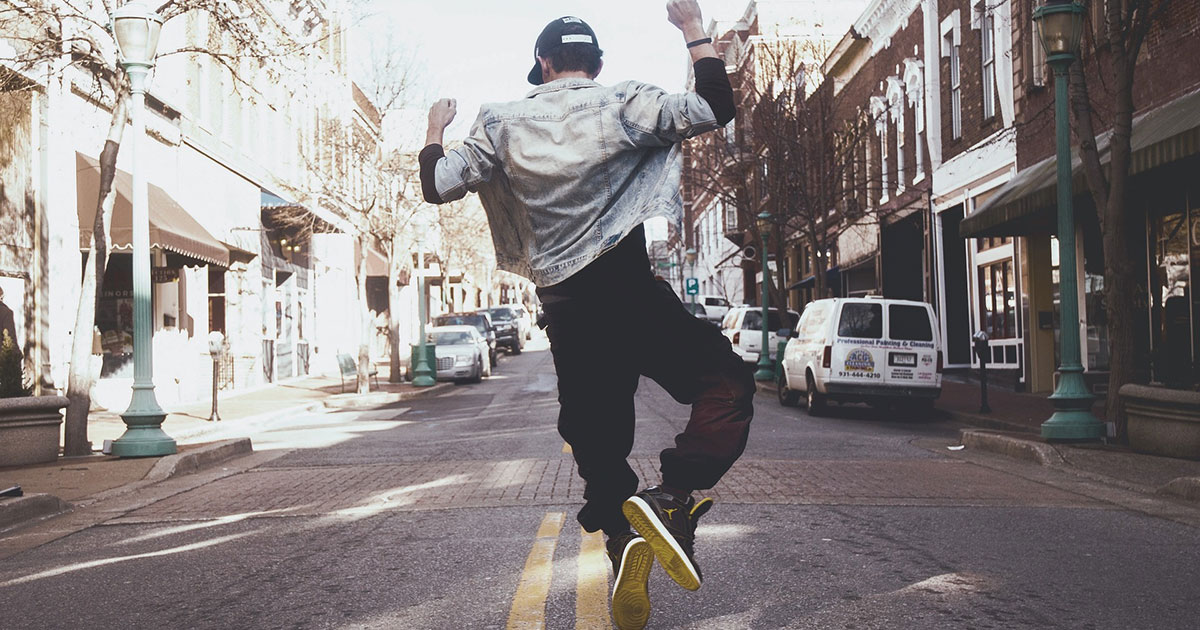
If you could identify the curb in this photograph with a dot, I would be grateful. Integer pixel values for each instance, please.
(197, 458)
(357, 402)
(20, 511)
(179, 464)
(1183, 487)
(1015, 447)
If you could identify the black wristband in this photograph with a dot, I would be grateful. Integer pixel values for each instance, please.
(699, 42)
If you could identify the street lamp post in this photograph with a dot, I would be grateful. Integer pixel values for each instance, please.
(423, 374)
(1060, 26)
(690, 257)
(136, 29)
(766, 370)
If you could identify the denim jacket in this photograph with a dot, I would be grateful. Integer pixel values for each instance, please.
(567, 172)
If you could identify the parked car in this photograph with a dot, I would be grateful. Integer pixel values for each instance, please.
(743, 326)
(696, 309)
(715, 306)
(461, 353)
(524, 321)
(880, 351)
(508, 332)
(481, 321)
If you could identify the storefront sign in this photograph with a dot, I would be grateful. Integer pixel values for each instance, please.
(162, 275)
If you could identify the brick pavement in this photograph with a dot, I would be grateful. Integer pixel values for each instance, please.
(331, 490)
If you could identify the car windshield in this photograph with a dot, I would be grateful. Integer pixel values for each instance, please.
(453, 338)
(753, 320)
(909, 323)
(501, 314)
(461, 320)
(861, 320)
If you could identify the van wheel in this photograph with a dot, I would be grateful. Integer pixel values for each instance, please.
(816, 401)
(516, 347)
(787, 397)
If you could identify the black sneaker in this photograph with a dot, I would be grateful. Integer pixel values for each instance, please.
(669, 525)
(632, 560)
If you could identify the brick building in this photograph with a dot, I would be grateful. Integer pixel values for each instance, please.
(1163, 193)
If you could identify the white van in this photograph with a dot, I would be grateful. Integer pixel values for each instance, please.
(873, 350)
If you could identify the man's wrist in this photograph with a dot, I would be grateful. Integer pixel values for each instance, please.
(693, 30)
(434, 136)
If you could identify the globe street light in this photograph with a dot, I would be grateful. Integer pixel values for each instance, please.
(423, 373)
(136, 28)
(1060, 26)
(766, 370)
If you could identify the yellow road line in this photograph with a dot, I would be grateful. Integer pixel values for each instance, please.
(529, 603)
(566, 448)
(591, 590)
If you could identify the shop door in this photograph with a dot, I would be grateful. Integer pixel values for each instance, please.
(285, 327)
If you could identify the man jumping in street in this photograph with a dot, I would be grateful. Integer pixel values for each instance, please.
(567, 177)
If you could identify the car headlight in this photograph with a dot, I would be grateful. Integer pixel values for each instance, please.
(462, 359)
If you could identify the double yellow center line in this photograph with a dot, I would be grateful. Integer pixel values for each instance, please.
(591, 594)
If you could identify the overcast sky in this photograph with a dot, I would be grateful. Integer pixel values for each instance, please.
(479, 51)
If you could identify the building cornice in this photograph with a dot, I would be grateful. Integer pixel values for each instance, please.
(882, 18)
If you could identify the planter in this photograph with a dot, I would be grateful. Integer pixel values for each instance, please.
(29, 429)
(1163, 421)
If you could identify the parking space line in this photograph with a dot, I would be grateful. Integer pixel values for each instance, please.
(529, 603)
(591, 589)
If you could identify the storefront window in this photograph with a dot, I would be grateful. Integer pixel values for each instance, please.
(1175, 241)
(998, 299)
(114, 316)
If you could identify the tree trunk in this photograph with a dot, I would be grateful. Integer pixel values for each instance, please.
(364, 342)
(79, 378)
(394, 313)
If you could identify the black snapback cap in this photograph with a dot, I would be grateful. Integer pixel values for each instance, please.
(564, 30)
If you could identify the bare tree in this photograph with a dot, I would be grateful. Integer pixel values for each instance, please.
(800, 150)
(55, 40)
(1111, 55)
(466, 241)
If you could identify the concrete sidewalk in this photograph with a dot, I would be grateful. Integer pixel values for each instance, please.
(54, 487)
(1013, 428)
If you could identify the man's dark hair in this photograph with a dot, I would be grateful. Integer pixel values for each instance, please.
(576, 57)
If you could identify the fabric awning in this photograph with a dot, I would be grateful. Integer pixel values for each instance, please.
(1026, 203)
(171, 227)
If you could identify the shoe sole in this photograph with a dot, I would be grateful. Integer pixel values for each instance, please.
(631, 595)
(670, 555)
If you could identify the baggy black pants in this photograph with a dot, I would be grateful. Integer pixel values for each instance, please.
(603, 339)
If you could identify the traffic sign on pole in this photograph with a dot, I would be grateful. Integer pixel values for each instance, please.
(693, 286)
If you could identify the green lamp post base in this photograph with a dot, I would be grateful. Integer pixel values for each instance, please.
(766, 370)
(144, 437)
(1072, 419)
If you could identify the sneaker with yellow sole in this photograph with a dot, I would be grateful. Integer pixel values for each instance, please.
(632, 560)
(669, 525)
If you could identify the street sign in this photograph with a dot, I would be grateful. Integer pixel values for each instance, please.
(693, 286)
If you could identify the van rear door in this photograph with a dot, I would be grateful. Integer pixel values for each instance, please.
(911, 346)
(858, 356)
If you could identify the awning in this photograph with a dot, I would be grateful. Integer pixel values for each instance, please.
(1026, 203)
(171, 227)
(832, 276)
(804, 284)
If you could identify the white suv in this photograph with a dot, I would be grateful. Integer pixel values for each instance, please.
(715, 306)
(743, 327)
(879, 351)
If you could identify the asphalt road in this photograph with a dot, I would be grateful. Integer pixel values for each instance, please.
(457, 512)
